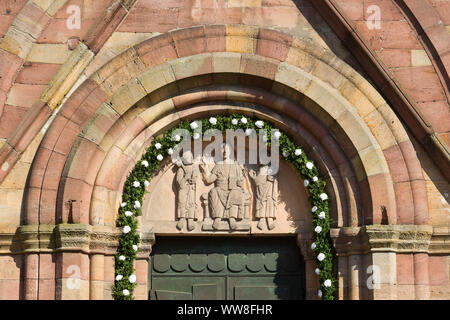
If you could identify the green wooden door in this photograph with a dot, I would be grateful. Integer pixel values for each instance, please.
(209, 268)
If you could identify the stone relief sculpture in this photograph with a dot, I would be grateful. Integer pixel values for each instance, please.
(266, 196)
(186, 178)
(228, 199)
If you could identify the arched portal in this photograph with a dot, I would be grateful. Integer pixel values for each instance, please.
(103, 128)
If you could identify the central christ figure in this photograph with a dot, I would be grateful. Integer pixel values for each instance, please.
(227, 198)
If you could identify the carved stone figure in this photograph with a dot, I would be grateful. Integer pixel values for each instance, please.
(227, 199)
(187, 174)
(266, 196)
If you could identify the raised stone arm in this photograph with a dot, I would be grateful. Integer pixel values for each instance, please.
(208, 177)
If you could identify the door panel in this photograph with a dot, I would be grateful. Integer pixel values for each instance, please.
(223, 268)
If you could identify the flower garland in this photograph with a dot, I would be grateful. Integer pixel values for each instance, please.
(138, 180)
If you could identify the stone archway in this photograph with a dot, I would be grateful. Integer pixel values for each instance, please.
(345, 123)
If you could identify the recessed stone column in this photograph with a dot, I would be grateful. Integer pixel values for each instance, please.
(141, 265)
(312, 281)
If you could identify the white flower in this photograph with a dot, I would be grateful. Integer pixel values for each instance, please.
(298, 152)
(194, 125)
(322, 215)
(146, 183)
(126, 292)
(321, 256)
(317, 271)
(248, 132)
(306, 182)
(145, 163)
(318, 229)
(122, 258)
(264, 137)
(319, 293)
(137, 204)
(313, 245)
(126, 229)
(196, 136)
(314, 209)
(123, 204)
(309, 165)
(119, 277)
(315, 179)
(323, 196)
(234, 122)
(177, 137)
(244, 120)
(132, 278)
(135, 247)
(277, 134)
(128, 213)
(160, 157)
(136, 184)
(327, 283)
(213, 121)
(285, 154)
(158, 146)
(259, 124)
(170, 151)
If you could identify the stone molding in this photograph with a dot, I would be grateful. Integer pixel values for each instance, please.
(391, 238)
(68, 238)
(346, 240)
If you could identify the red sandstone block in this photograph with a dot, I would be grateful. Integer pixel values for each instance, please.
(421, 271)
(263, 67)
(10, 119)
(423, 12)
(189, 41)
(89, 106)
(421, 83)
(5, 23)
(23, 95)
(70, 263)
(405, 202)
(229, 16)
(443, 8)
(31, 205)
(47, 206)
(215, 38)
(157, 50)
(77, 98)
(411, 160)
(275, 16)
(405, 268)
(57, 126)
(9, 289)
(196, 16)
(37, 73)
(440, 38)
(47, 289)
(144, 19)
(75, 197)
(394, 58)
(53, 171)
(116, 162)
(86, 162)
(273, 44)
(396, 163)
(420, 202)
(11, 7)
(9, 67)
(31, 124)
(388, 10)
(39, 167)
(437, 113)
(353, 9)
(67, 138)
(375, 197)
(47, 264)
(64, 33)
(277, 3)
(438, 270)
(40, 19)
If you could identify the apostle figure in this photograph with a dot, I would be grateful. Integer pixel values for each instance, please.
(186, 178)
(266, 196)
(228, 197)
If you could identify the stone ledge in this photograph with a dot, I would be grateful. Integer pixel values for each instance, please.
(391, 238)
(68, 238)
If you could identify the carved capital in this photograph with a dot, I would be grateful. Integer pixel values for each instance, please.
(145, 247)
(349, 241)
